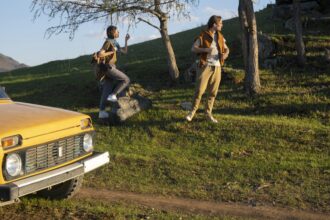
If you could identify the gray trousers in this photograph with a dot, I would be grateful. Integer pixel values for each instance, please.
(114, 83)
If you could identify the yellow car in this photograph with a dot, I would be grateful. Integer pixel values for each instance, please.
(43, 149)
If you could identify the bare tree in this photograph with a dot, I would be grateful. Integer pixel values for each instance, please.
(250, 46)
(73, 13)
(300, 46)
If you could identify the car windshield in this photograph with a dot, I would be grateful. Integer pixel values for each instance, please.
(3, 94)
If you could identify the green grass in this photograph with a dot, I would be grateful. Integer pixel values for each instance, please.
(280, 138)
(272, 148)
(31, 208)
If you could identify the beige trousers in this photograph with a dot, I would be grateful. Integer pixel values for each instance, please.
(208, 78)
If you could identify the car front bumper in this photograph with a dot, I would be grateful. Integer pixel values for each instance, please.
(14, 190)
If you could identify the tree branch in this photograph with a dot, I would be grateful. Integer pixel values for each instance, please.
(152, 25)
(72, 13)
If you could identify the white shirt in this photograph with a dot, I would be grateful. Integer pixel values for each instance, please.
(213, 58)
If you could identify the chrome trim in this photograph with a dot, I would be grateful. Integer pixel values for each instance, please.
(16, 189)
(96, 162)
(47, 175)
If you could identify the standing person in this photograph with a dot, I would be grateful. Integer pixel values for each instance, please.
(110, 51)
(211, 46)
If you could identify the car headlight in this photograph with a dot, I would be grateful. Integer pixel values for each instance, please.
(88, 143)
(13, 164)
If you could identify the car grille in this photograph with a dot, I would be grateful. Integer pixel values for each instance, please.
(53, 154)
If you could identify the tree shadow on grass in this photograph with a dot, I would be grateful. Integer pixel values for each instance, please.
(71, 91)
(148, 122)
(290, 110)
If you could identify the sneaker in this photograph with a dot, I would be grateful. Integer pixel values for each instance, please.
(103, 114)
(211, 118)
(112, 98)
(189, 117)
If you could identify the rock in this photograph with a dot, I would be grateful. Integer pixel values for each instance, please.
(130, 102)
(282, 12)
(129, 106)
(285, 9)
(268, 52)
(270, 63)
(319, 19)
(310, 5)
(190, 74)
(126, 102)
(75, 69)
(290, 25)
(137, 89)
(327, 54)
(313, 32)
(267, 47)
(315, 15)
(186, 105)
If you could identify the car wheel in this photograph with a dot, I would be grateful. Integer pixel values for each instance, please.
(63, 190)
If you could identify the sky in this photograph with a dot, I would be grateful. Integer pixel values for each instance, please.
(23, 38)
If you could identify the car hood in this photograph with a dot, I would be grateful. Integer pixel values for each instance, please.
(31, 120)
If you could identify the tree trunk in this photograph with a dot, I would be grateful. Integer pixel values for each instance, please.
(245, 34)
(253, 61)
(300, 46)
(250, 47)
(172, 66)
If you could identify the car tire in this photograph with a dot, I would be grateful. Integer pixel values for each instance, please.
(64, 190)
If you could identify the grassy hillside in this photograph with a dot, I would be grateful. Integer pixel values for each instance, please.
(271, 149)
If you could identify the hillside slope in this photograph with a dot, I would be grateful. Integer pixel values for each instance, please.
(8, 64)
(270, 149)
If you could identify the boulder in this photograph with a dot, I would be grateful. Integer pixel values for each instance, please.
(267, 47)
(186, 106)
(309, 5)
(190, 73)
(290, 25)
(285, 9)
(130, 102)
(282, 12)
(126, 107)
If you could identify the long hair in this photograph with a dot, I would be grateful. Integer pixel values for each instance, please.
(213, 20)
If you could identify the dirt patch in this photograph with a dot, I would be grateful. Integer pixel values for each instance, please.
(200, 207)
